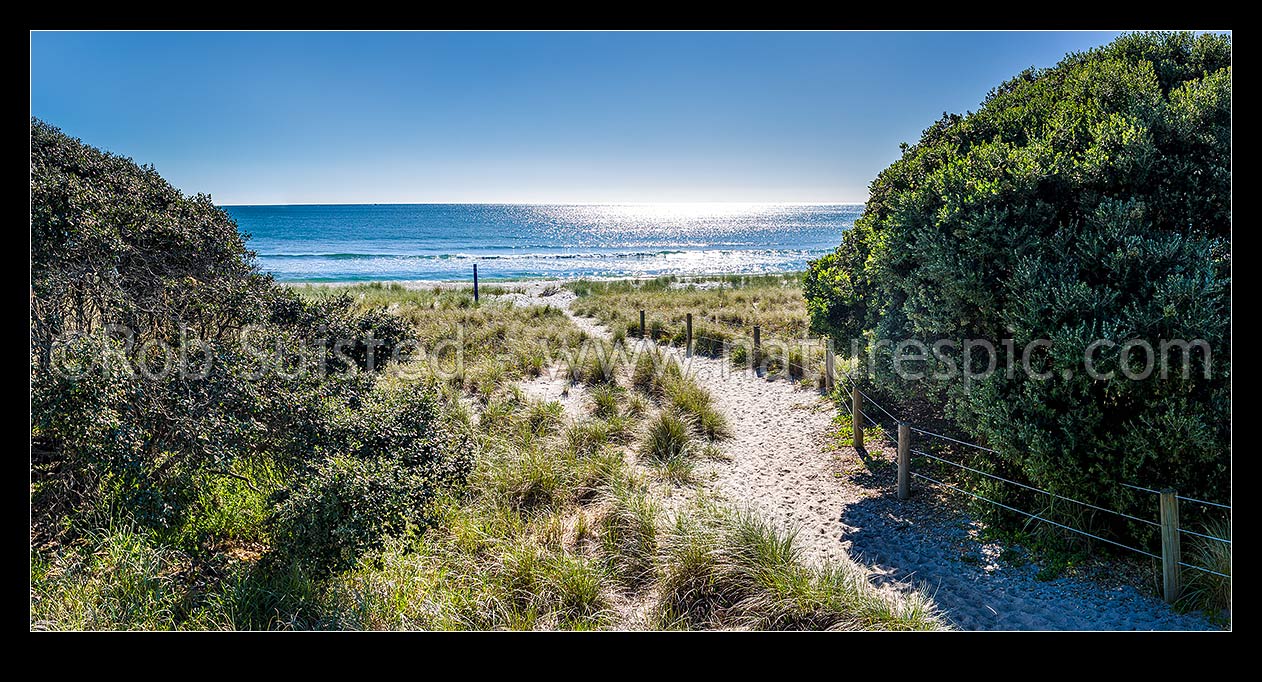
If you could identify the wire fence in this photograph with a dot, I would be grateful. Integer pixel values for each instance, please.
(1034, 516)
(868, 400)
(723, 345)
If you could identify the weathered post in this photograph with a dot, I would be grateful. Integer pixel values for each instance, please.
(904, 460)
(755, 360)
(829, 366)
(1170, 552)
(641, 324)
(688, 346)
(856, 413)
(475, 282)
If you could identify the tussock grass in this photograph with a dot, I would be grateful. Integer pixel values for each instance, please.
(597, 363)
(588, 437)
(724, 310)
(727, 311)
(686, 397)
(544, 418)
(653, 367)
(658, 374)
(546, 475)
(669, 436)
(637, 406)
(483, 570)
(723, 568)
(1205, 590)
(628, 532)
(678, 469)
(476, 348)
(608, 400)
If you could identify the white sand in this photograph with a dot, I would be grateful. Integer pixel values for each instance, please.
(842, 505)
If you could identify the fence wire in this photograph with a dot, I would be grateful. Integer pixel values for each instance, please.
(1179, 497)
(849, 381)
(953, 440)
(1202, 535)
(1203, 569)
(878, 406)
(1211, 504)
(1037, 490)
(1034, 516)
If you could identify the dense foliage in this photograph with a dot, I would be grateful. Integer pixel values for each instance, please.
(177, 388)
(1090, 200)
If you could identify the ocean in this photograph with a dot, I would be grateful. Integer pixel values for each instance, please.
(348, 243)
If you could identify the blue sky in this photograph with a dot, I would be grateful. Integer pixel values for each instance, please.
(276, 118)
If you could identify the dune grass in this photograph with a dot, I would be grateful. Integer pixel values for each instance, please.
(556, 527)
(733, 303)
(731, 568)
(724, 310)
(477, 348)
(1207, 591)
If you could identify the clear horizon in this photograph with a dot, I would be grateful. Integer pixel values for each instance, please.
(334, 118)
(560, 203)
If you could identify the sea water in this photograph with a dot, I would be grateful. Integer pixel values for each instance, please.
(345, 243)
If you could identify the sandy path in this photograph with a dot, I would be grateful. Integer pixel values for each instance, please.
(778, 432)
(842, 505)
(776, 429)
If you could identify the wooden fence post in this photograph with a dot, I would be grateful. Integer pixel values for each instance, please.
(641, 324)
(688, 346)
(475, 282)
(756, 357)
(856, 412)
(1170, 552)
(904, 460)
(830, 365)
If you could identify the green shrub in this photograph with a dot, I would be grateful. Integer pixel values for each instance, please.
(261, 378)
(397, 453)
(1090, 200)
(368, 338)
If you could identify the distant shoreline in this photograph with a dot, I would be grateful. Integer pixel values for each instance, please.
(468, 281)
(559, 203)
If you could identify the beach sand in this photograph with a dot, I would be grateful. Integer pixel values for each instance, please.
(782, 462)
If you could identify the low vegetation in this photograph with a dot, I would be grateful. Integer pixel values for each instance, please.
(354, 457)
(724, 309)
